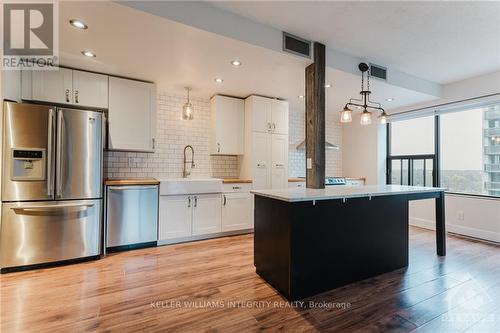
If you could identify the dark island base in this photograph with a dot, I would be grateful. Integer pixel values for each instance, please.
(303, 249)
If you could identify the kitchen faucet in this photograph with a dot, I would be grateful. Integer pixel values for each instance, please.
(186, 173)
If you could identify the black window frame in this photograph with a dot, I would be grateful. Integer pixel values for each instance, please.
(436, 176)
(411, 158)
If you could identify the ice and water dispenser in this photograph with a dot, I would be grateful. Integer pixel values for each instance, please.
(28, 164)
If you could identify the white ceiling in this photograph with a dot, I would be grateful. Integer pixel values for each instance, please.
(135, 44)
(441, 41)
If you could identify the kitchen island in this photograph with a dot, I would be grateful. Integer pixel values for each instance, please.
(308, 241)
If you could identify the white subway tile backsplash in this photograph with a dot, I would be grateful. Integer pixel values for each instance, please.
(297, 159)
(173, 134)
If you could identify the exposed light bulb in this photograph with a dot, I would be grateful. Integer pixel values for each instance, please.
(346, 115)
(383, 118)
(366, 118)
(236, 63)
(188, 109)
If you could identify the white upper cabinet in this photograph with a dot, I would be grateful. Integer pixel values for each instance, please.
(11, 85)
(268, 115)
(227, 125)
(65, 86)
(55, 86)
(279, 117)
(90, 89)
(132, 115)
(260, 113)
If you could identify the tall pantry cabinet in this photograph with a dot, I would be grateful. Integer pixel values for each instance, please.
(266, 143)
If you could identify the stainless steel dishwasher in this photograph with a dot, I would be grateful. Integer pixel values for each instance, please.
(131, 216)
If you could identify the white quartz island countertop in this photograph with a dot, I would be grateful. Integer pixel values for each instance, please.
(342, 192)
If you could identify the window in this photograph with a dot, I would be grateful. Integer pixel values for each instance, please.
(411, 156)
(469, 150)
(412, 136)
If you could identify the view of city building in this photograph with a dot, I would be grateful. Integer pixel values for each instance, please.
(492, 150)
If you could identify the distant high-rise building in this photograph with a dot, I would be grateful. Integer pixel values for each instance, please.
(491, 142)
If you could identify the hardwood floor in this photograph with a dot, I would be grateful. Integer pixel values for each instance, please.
(212, 286)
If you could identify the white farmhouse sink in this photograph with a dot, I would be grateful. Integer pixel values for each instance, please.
(175, 186)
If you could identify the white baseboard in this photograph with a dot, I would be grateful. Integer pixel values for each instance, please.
(458, 229)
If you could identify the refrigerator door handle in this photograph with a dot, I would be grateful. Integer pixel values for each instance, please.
(52, 207)
(50, 144)
(60, 120)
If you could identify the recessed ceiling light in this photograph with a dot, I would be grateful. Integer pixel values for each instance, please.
(300, 96)
(78, 24)
(218, 80)
(389, 99)
(328, 85)
(236, 63)
(89, 54)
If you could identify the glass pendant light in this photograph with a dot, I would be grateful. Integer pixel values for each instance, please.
(188, 109)
(383, 118)
(346, 115)
(366, 118)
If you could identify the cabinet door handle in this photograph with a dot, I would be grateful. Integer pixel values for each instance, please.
(153, 139)
(280, 165)
(76, 96)
(189, 202)
(274, 127)
(236, 187)
(195, 200)
(218, 147)
(259, 165)
(268, 127)
(67, 95)
(225, 200)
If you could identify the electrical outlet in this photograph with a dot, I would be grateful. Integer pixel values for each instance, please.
(460, 215)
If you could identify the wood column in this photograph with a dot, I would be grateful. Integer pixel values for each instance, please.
(315, 119)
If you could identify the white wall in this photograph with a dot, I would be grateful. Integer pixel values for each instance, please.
(364, 150)
(471, 216)
(466, 215)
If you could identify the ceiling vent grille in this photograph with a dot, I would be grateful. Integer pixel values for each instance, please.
(379, 72)
(296, 45)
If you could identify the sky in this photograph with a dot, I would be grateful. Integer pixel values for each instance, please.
(461, 139)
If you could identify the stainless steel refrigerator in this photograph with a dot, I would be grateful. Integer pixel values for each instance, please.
(51, 184)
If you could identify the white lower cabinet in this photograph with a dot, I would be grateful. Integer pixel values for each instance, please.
(206, 214)
(184, 216)
(237, 211)
(175, 215)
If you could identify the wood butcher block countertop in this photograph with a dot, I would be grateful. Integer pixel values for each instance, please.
(132, 181)
(296, 180)
(236, 181)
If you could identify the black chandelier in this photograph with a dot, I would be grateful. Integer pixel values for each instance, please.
(364, 102)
